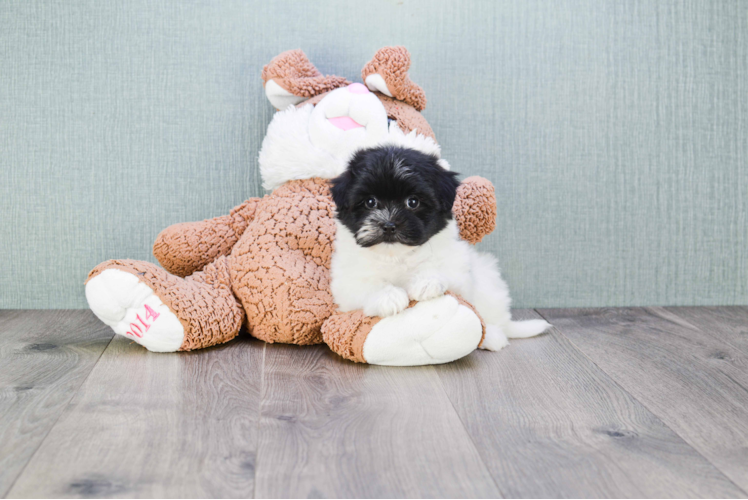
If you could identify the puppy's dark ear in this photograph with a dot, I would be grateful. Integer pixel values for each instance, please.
(340, 187)
(446, 188)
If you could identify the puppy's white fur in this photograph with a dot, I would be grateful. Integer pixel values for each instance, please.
(381, 279)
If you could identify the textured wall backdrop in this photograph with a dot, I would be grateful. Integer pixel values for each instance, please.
(615, 132)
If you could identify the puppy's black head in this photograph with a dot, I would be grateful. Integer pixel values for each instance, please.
(394, 195)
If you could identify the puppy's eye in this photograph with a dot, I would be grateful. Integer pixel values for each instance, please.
(413, 202)
(371, 203)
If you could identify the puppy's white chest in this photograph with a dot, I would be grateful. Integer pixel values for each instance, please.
(397, 273)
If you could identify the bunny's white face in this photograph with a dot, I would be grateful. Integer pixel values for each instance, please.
(318, 141)
(348, 119)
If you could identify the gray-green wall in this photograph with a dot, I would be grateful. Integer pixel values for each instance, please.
(615, 131)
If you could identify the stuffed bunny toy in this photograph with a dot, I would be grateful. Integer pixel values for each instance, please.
(266, 265)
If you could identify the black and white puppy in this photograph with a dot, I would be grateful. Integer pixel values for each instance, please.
(396, 241)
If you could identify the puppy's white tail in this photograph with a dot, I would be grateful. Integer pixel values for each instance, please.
(524, 329)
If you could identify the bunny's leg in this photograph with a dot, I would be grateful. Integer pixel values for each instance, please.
(431, 332)
(163, 312)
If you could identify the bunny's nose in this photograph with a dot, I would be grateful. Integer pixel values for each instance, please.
(358, 88)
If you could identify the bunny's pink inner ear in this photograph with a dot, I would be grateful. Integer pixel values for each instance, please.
(291, 78)
(387, 73)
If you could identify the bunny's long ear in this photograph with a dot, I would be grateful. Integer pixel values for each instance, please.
(387, 72)
(291, 78)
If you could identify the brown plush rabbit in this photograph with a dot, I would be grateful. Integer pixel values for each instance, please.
(266, 264)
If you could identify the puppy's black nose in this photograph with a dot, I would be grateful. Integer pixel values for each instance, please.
(389, 227)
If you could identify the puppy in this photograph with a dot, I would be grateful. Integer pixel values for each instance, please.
(396, 241)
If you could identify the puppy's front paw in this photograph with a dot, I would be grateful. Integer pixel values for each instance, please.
(426, 287)
(388, 302)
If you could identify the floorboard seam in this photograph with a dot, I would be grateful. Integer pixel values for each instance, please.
(259, 420)
(673, 310)
(654, 414)
(467, 433)
(54, 424)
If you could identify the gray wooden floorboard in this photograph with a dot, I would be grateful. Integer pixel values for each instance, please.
(549, 423)
(588, 410)
(728, 323)
(331, 428)
(44, 358)
(155, 425)
(695, 381)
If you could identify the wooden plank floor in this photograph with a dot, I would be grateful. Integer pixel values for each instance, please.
(642, 402)
(695, 380)
(44, 358)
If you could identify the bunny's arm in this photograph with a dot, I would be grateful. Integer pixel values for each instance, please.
(475, 209)
(187, 247)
